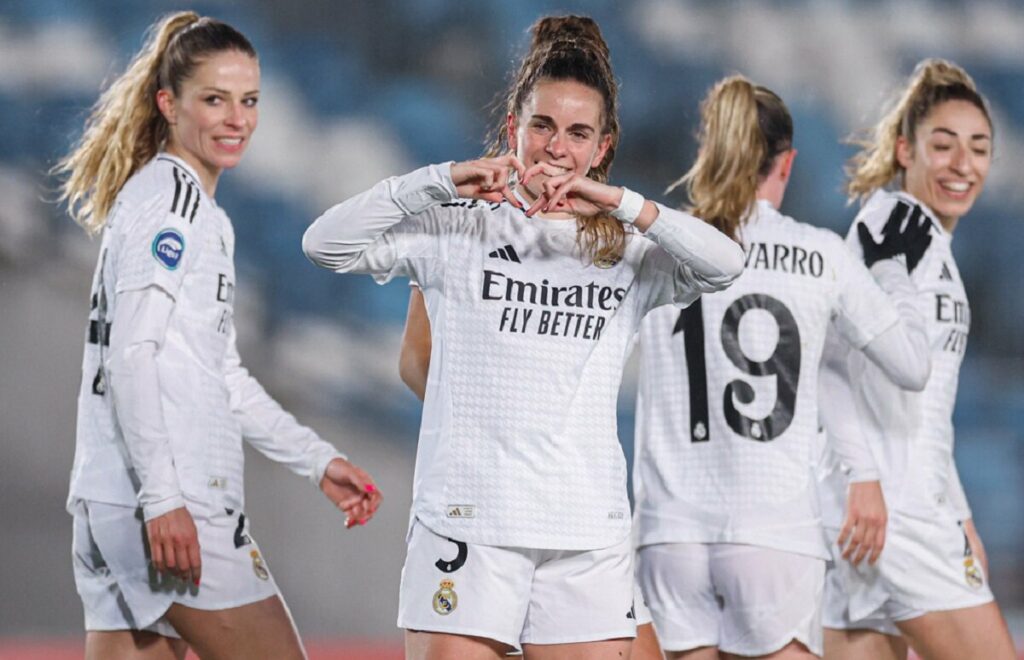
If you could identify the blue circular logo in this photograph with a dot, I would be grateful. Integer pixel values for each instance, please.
(168, 246)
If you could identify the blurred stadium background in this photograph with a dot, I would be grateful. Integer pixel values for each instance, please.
(356, 91)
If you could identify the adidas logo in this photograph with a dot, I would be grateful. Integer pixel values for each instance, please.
(946, 274)
(507, 253)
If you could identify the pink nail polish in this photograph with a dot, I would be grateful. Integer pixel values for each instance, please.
(370, 488)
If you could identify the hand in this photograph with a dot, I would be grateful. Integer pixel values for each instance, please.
(977, 547)
(865, 522)
(568, 192)
(174, 545)
(910, 239)
(351, 490)
(488, 178)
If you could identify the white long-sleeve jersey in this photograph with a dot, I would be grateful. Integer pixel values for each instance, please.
(518, 443)
(910, 434)
(727, 416)
(164, 402)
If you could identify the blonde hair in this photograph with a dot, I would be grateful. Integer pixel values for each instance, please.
(933, 82)
(126, 129)
(571, 48)
(743, 128)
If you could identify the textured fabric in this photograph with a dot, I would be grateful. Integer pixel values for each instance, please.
(516, 595)
(742, 599)
(738, 465)
(518, 443)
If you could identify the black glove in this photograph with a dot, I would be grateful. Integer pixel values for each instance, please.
(910, 240)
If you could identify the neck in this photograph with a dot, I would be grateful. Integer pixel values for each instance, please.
(772, 191)
(208, 176)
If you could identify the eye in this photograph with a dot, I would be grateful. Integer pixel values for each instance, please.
(579, 135)
(251, 102)
(213, 99)
(941, 147)
(980, 151)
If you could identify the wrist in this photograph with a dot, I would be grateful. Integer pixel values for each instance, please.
(630, 206)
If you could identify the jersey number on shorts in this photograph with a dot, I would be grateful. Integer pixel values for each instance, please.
(783, 363)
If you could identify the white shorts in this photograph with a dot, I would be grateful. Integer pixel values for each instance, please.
(742, 599)
(121, 590)
(641, 613)
(926, 566)
(516, 595)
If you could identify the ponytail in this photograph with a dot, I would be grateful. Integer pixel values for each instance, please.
(743, 128)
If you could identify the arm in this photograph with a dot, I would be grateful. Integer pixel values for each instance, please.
(414, 360)
(863, 530)
(712, 258)
(902, 350)
(274, 432)
(341, 238)
(137, 335)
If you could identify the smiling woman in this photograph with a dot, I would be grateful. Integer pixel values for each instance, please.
(163, 554)
(535, 274)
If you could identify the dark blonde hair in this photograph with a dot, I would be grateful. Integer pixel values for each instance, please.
(125, 128)
(933, 82)
(743, 128)
(571, 48)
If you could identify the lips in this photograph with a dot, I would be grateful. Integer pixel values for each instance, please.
(232, 144)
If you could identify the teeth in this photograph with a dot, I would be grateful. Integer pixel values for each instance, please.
(956, 187)
(231, 141)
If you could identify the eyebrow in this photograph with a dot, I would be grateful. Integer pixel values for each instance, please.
(579, 126)
(976, 136)
(226, 92)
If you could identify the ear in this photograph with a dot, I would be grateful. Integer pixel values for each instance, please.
(602, 150)
(787, 164)
(511, 126)
(165, 103)
(904, 152)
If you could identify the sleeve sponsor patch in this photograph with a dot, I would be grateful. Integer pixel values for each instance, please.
(168, 247)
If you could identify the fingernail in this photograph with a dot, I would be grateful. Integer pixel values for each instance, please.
(363, 521)
(370, 488)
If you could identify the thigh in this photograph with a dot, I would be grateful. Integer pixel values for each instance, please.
(646, 645)
(257, 630)
(132, 645)
(972, 633)
(859, 644)
(581, 596)
(676, 582)
(462, 589)
(441, 646)
(770, 599)
(791, 651)
(609, 649)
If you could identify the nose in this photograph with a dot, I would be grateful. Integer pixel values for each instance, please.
(236, 116)
(961, 161)
(556, 145)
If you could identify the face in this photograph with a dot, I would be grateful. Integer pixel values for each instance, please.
(559, 124)
(215, 114)
(947, 167)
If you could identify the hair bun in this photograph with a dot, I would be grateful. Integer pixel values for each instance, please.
(572, 30)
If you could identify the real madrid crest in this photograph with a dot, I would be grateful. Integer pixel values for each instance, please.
(258, 566)
(445, 598)
(972, 574)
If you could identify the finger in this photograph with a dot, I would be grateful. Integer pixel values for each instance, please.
(184, 566)
(157, 553)
(855, 541)
(866, 239)
(863, 548)
(538, 204)
(507, 193)
(899, 212)
(560, 194)
(517, 165)
(196, 560)
(539, 169)
(876, 547)
(844, 533)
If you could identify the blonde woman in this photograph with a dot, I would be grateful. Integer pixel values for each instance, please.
(535, 273)
(928, 157)
(731, 559)
(163, 555)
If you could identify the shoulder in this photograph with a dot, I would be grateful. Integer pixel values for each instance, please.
(877, 209)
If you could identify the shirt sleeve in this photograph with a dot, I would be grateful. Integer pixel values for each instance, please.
(385, 231)
(136, 337)
(269, 428)
(877, 314)
(694, 258)
(838, 414)
(157, 247)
